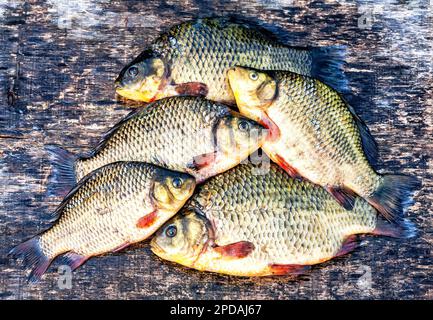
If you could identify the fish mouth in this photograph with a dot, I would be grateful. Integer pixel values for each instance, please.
(155, 247)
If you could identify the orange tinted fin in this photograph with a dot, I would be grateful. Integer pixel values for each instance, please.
(349, 245)
(191, 89)
(239, 249)
(274, 131)
(344, 197)
(203, 161)
(286, 269)
(147, 220)
(289, 169)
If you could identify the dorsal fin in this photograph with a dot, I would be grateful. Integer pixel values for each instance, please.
(369, 145)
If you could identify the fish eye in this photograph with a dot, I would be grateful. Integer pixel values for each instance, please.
(254, 76)
(133, 71)
(171, 231)
(177, 183)
(243, 125)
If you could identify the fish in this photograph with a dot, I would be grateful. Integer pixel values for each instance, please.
(186, 134)
(316, 135)
(253, 223)
(117, 205)
(192, 58)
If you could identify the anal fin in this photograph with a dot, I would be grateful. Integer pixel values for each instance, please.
(74, 260)
(274, 130)
(350, 244)
(239, 249)
(344, 197)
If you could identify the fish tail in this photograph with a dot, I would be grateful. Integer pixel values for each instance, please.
(62, 177)
(34, 258)
(328, 66)
(394, 196)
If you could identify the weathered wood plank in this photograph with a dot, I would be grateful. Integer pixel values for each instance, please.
(58, 61)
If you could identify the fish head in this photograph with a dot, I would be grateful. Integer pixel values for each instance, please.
(183, 238)
(237, 136)
(254, 90)
(143, 79)
(172, 189)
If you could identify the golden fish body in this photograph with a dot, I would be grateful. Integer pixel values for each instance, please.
(193, 57)
(117, 205)
(248, 224)
(187, 134)
(315, 134)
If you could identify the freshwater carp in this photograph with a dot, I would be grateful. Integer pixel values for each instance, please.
(192, 59)
(247, 224)
(186, 134)
(117, 205)
(315, 134)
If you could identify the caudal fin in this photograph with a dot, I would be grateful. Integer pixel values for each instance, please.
(404, 229)
(62, 177)
(33, 257)
(328, 66)
(393, 196)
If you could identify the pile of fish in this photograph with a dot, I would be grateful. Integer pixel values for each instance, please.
(177, 168)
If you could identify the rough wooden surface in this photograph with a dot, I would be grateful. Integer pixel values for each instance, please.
(58, 61)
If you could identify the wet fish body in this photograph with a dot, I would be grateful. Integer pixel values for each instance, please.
(248, 224)
(316, 135)
(186, 134)
(117, 205)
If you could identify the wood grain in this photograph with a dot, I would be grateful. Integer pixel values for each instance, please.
(58, 61)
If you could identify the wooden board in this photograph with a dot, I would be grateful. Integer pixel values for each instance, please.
(58, 61)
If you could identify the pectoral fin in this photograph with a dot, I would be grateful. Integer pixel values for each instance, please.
(147, 220)
(202, 161)
(350, 244)
(287, 167)
(191, 89)
(239, 249)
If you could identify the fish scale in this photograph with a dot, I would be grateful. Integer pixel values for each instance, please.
(117, 205)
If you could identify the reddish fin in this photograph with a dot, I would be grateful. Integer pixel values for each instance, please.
(289, 169)
(33, 257)
(239, 249)
(74, 260)
(274, 131)
(203, 161)
(344, 197)
(121, 247)
(192, 89)
(286, 269)
(147, 220)
(349, 245)
(403, 229)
